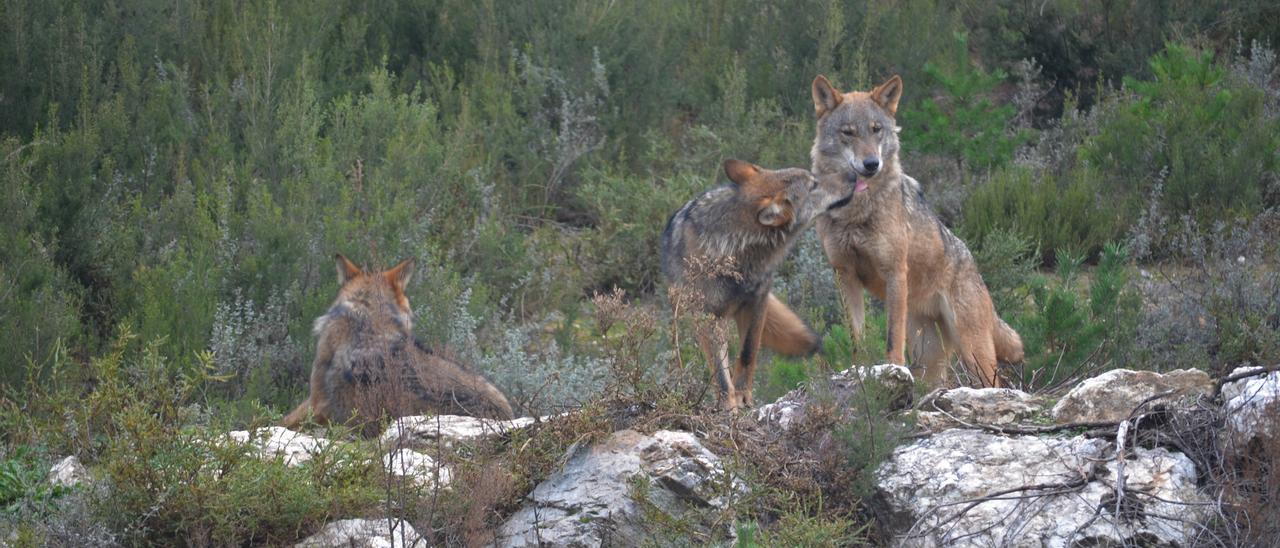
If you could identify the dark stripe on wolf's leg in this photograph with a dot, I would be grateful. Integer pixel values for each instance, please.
(888, 341)
(722, 378)
(749, 346)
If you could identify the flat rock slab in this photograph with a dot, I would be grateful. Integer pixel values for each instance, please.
(431, 431)
(295, 448)
(931, 493)
(364, 533)
(992, 406)
(1113, 395)
(789, 410)
(416, 467)
(589, 502)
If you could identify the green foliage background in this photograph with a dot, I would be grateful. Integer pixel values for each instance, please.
(176, 166)
(183, 172)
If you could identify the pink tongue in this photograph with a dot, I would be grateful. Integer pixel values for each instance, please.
(860, 186)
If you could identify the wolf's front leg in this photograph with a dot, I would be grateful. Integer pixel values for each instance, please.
(895, 300)
(851, 294)
(751, 322)
(715, 348)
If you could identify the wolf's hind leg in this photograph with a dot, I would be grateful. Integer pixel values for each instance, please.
(928, 353)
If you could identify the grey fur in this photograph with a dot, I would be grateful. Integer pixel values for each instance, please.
(711, 226)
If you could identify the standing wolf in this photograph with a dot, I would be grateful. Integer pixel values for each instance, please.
(745, 228)
(889, 242)
(369, 365)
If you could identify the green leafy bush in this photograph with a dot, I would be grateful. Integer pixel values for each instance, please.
(1077, 328)
(963, 122)
(1192, 124)
(1060, 214)
(1195, 133)
(23, 485)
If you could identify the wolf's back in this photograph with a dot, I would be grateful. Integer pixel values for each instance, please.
(672, 252)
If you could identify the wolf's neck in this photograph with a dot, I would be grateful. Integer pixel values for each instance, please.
(735, 243)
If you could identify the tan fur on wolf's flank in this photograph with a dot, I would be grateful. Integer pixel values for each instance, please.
(369, 366)
(888, 242)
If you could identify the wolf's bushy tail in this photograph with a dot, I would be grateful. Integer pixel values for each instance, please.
(785, 332)
(1008, 343)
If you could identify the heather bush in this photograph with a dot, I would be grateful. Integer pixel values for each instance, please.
(1218, 306)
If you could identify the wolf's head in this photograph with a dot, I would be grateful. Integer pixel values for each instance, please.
(785, 198)
(377, 298)
(857, 135)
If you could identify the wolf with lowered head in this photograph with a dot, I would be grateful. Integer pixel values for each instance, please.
(724, 246)
(369, 366)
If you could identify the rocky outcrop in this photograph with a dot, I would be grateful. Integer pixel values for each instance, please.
(894, 381)
(1252, 408)
(418, 468)
(605, 493)
(364, 533)
(68, 472)
(445, 431)
(992, 406)
(970, 488)
(294, 448)
(1113, 395)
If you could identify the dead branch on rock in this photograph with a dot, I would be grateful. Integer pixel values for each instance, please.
(1024, 492)
(1124, 503)
(1217, 385)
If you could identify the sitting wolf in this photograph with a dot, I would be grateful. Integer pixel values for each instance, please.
(369, 366)
(889, 242)
(748, 227)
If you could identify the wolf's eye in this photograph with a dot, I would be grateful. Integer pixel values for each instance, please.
(847, 131)
(875, 128)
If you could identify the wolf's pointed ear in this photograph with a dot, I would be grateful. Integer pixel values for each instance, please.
(740, 171)
(346, 269)
(887, 94)
(400, 274)
(825, 96)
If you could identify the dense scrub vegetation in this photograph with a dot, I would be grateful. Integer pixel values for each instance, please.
(177, 175)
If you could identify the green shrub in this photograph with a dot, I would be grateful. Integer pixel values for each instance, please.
(195, 487)
(23, 486)
(1007, 261)
(804, 527)
(169, 477)
(1196, 128)
(1194, 134)
(870, 436)
(1060, 214)
(1077, 328)
(963, 122)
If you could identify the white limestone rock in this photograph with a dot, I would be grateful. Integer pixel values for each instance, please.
(295, 448)
(589, 501)
(1113, 395)
(364, 533)
(926, 490)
